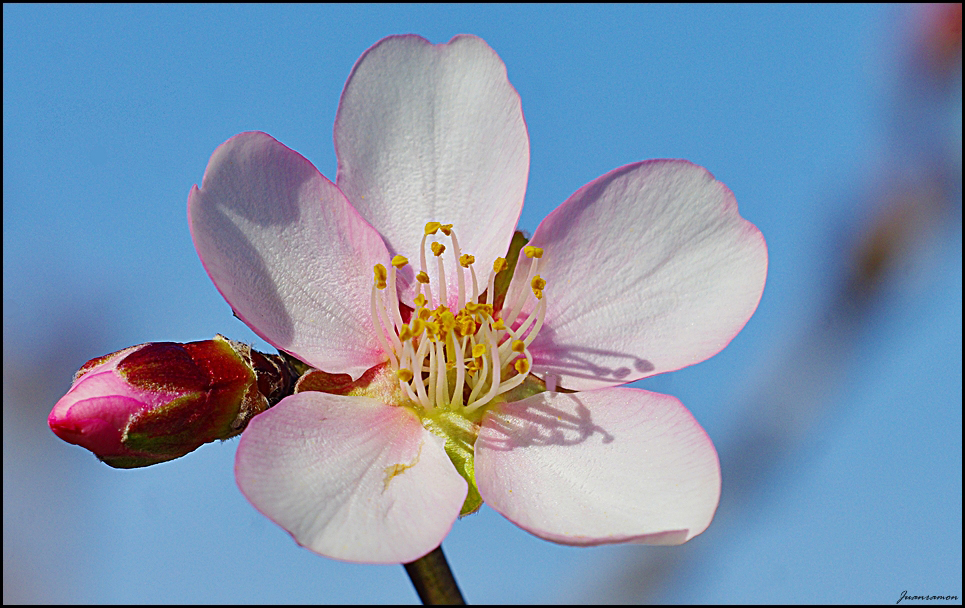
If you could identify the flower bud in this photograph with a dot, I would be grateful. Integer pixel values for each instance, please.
(158, 401)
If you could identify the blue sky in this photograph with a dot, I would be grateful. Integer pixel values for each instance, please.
(838, 424)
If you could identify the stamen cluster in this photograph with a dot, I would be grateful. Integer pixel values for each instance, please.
(458, 360)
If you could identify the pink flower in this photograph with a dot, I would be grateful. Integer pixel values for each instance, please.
(647, 269)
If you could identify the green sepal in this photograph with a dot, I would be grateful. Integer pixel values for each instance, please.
(504, 278)
(217, 392)
(379, 383)
(163, 367)
(334, 384)
(168, 432)
(459, 434)
(532, 385)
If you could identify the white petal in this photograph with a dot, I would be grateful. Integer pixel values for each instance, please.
(434, 133)
(350, 478)
(606, 466)
(648, 269)
(289, 253)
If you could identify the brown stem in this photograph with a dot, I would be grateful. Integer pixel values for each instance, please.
(433, 579)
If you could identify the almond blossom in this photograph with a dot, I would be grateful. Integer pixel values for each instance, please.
(437, 386)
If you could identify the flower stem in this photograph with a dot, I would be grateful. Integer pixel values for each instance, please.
(433, 579)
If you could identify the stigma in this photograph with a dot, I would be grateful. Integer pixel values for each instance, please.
(463, 358)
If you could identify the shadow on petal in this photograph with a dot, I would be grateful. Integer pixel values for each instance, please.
(247, 256)
(606, 466)
(599, 367)
(667, 538)
(534, 422)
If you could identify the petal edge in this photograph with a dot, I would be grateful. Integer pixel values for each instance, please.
(350, 478)
(607, 466)
(288, 252)
(649, 268)
(434, 133)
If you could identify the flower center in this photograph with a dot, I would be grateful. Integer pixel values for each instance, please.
(456, 360)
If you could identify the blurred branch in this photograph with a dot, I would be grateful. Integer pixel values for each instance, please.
(916, 202)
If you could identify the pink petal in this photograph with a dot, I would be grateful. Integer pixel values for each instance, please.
(350, 478)
(434, 133)
(288, 252)
(648, 269)
(607, 466)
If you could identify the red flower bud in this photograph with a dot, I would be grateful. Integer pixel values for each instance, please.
(158, 401)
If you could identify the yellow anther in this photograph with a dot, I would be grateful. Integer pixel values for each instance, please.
(478, 351)
(532, 252)
(420, 300)
(446, 229)
(465, 260)
(465, 326)
(437, 249)
(380, 276)
(432, 328)
(521, 366)
(424, 314)
(422, 277)
(405, 333)
(538, 283)
(447, 321)
(418, 326)
(404, 375)
(399, 261)
(432, 227)
(518, 346)
(474, 308)
(499, 264)
(499, 324)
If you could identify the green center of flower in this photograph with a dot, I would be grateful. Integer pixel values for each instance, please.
(462, 360)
